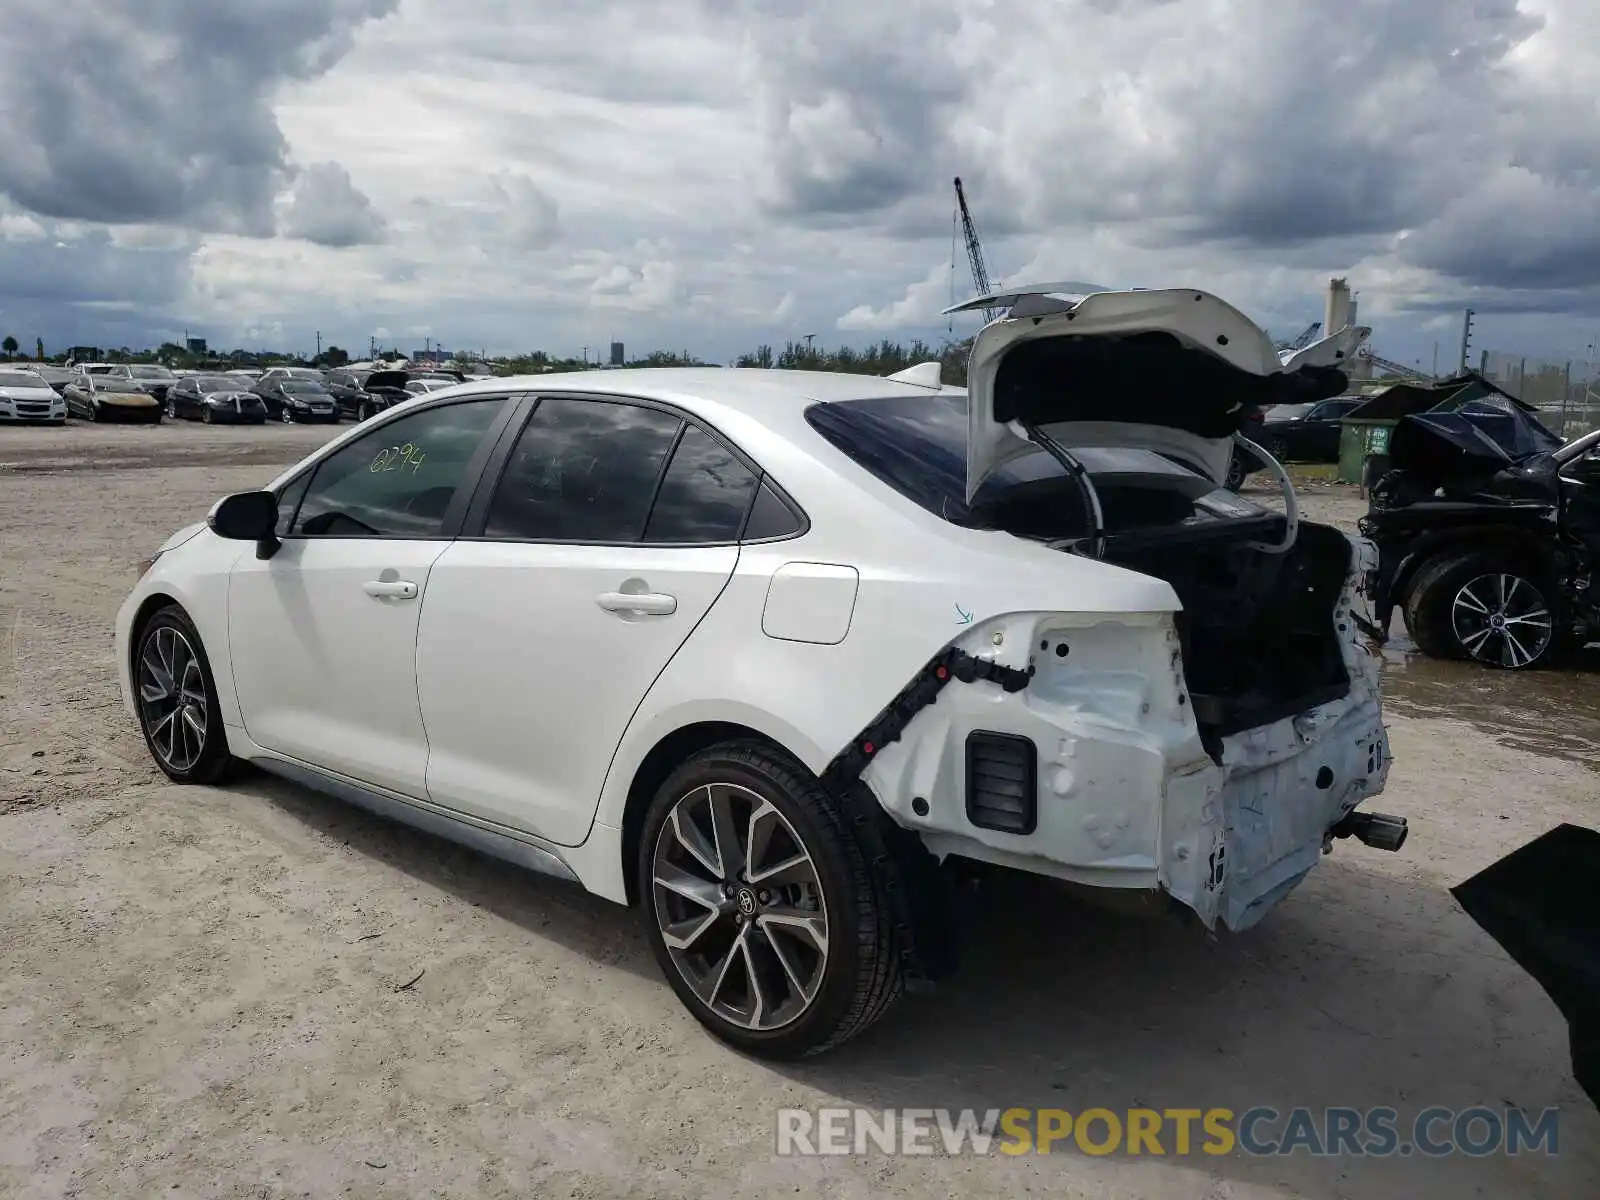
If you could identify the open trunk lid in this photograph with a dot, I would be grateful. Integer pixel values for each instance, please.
(1176, 370)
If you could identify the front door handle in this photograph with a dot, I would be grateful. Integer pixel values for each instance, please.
(650, 604)
(384, 589)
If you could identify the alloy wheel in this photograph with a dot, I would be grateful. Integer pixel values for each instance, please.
(172, 698)
(1502, 619)
(740, 907)
(287, 416)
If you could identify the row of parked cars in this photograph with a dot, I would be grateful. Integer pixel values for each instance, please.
(42, 392)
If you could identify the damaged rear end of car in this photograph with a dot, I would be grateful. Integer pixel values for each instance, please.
(1212, 746)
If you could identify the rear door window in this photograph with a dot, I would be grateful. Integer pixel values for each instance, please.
(583, 471)
(704, 495)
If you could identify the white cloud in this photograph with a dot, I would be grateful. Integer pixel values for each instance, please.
(326, 208)
(918, 306)
(712, 174)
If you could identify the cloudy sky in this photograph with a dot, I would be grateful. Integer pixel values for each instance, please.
(712, 174)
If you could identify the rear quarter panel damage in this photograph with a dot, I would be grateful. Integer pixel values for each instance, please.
(1128, 794)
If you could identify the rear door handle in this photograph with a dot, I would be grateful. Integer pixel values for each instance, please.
(398, 589)
(651, 604)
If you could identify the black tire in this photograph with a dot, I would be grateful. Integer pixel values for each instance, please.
(1442, 617)
(211, 762)
(94, 411)
(860, 973)
(1236, 476)
(285, 415)
(363, 411)
(208, 415)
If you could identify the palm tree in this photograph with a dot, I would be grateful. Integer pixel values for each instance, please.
(9, 346)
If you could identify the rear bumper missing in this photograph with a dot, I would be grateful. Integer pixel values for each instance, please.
(1120, 790)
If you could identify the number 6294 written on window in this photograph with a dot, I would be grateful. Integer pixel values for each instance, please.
(397, 458)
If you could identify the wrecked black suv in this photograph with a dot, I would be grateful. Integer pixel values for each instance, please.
(1488, 532)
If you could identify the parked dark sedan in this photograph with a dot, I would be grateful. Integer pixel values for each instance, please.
(361, 393)
(153, 377)
(289, 399)
(1306, 432)
(1292, 433)
(215, 398)
(108, 398)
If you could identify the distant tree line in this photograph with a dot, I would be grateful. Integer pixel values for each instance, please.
(883, 358)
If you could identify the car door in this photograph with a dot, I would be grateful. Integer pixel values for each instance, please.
(1323, 430)
(323, 635)
(181, 397)
(612, 529)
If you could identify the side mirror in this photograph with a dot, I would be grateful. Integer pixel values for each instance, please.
(249, 517)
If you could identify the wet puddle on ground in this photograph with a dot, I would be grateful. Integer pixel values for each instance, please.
(1554, 713)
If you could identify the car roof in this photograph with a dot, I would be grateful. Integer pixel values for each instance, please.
(775, 399)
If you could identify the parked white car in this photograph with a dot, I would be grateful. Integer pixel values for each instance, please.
(756, 649)
(25, 396)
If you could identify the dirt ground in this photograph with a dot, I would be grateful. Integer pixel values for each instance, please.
(201, 990)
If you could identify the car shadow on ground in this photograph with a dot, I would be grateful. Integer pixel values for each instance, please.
(1363, 989)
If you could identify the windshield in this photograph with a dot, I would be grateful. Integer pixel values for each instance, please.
(151, 373)
(21, 379)
(217, 383)
(302, 373)
(54, 374)
(1288, 412)
(114, 383)
(301, 385)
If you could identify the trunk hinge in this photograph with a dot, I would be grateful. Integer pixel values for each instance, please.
(922, 691)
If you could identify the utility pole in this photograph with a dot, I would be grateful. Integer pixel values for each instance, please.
(1436, 360)
(319, 343)
(1466, 337)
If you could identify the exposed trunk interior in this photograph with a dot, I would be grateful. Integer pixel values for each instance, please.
(1259, 642)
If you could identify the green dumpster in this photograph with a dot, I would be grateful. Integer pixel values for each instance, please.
(1364, 448)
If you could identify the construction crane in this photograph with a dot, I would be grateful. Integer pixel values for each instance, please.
(1390, 366)
(1305, 339)
(980, 272)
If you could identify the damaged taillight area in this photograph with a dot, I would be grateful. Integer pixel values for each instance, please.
(1094, 767)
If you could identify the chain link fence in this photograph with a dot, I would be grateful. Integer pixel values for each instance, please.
(1567, 394)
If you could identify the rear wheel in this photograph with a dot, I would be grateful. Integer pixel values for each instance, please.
(1483, 608)
(363, 411)
(764, 912)
(177, 701)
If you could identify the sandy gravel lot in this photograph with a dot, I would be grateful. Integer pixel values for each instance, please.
(200, 990)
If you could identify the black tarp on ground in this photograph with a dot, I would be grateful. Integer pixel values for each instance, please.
(1542, 904)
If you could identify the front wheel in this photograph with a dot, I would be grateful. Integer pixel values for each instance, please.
(1485, 609)
(177, 701)
(763, 910)
(363, 411)
(286, 416)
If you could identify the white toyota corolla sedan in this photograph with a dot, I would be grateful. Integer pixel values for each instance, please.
(758, 650)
